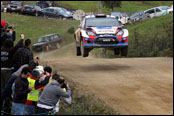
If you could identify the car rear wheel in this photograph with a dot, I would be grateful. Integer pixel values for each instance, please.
(57, 45)
(124, 51)
(116, 51)
(36, 14)
(47, 48)
(84, 51)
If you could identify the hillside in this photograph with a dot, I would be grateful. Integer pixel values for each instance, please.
(34, 27)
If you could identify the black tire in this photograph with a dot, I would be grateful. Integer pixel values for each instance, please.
(47, 48)
(78, 52)
(58, 45)
(36, 14)
(124, 51)
(116, 51)
(84, 51)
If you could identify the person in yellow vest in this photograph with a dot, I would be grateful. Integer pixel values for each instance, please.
(33, 96)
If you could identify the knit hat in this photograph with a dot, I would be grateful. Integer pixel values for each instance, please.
(40, 69)
(35, 73)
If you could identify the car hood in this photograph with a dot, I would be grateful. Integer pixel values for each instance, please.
(38, 43)
(104, 30)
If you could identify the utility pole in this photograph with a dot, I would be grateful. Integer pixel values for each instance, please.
(102, 50)
(99, 7)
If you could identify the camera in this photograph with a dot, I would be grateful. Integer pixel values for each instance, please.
(10, 27)
(64, 85)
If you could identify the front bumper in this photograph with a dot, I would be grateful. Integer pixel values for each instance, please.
(120, 45)
(105, 42)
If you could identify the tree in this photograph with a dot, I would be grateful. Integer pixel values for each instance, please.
(111, 4)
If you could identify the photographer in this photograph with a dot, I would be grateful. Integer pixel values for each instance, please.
(7, 31)
(51, 95)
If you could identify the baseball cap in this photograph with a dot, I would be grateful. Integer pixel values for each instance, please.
(3, 23)
(35, 73)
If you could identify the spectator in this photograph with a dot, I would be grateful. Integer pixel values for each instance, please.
(66, 100)
(48, 73)
(5, 30)
(23, 55)
(20, 93)
(33, 96)
(7, 52)
(50, 96)
(7, 91)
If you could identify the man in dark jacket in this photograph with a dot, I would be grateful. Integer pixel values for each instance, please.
(20, 92)
(7, 52)
(23, 56)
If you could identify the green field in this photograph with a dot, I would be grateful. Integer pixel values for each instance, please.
(34, 27)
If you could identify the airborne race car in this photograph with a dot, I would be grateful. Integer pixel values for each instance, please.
(101, 31)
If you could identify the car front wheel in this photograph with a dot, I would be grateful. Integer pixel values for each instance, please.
(84, 51)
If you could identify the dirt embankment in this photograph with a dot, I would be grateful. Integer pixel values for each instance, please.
(128, 85)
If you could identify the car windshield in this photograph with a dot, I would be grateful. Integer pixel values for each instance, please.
(102, 22)
(62, 11)
(164, 7)
(15, 2)
(42, 39)
(136, 14)
(29, 6)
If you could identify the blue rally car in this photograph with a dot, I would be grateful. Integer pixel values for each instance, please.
(101, 31)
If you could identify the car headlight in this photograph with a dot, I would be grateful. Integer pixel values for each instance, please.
(120, 32)
(90, 33)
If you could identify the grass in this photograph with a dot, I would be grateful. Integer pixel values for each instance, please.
(34, 27)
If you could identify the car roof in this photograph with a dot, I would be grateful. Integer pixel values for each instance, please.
(54, 7)
(50, 35)
(95, 16)
(29, 5)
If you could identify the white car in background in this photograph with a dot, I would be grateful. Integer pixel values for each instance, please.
(170, 10)
(157, 11)
(121, 17)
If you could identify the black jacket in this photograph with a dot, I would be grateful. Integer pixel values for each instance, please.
(22, 56)
(21, 90)
(7, 52)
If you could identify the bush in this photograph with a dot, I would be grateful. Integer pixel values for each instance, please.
(71, 30)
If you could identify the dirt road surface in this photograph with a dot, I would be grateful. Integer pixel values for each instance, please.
(131, 86)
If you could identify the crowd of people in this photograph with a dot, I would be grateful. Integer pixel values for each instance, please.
(27, 87)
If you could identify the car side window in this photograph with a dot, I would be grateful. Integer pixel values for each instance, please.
(55, 37)
(51, 10)
(51, 38)
(158, 10)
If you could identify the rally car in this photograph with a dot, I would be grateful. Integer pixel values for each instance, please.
(101, 31)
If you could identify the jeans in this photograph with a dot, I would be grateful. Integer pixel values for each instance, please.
(29, 110)
(18, 108)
